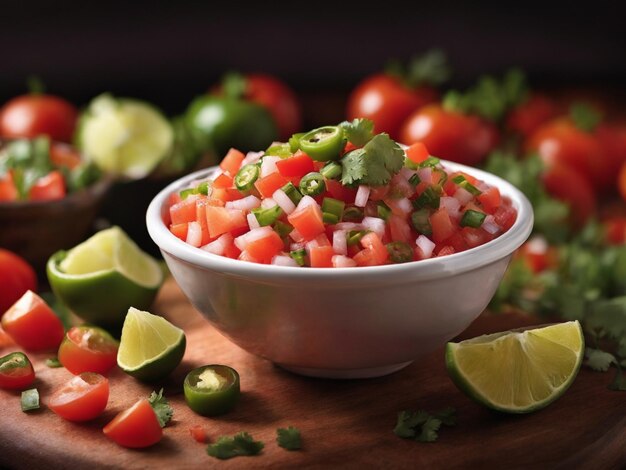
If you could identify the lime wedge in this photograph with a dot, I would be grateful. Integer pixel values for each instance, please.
(518, 371)
(102, 277)
(124, 136)
(151, 347)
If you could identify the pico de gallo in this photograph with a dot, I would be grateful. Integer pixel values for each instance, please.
(338, 196)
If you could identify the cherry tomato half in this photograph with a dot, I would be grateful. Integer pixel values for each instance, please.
(32, 324)
(88, 349)
(33, 115)
(135, 427)
(16, 277)
(83, 398)
(16, 371)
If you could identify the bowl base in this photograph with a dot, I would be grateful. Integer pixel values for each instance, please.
(366, 373)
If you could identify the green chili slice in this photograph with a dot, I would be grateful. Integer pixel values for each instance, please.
(421, 222)
(329, 218)
(294, 142)
(415, 180)
(332, 171)
(282, 150)
(298, 256)
(292, 193)
(383, 210)
(282, 229)
(246, 176)
(212, 390)
(30, 400)
(429, 198)
(399, 252)
(312, 184)
(472, 218)
(354, 236)
(267, 216)
(462, 182)
(333, 206)
(429, 162)
(324, 143)
(352, 214)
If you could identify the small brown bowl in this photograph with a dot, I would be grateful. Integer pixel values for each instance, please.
(37, 229)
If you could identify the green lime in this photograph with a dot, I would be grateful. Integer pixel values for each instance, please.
(518, 371)
(150, 347)
(102, 277)
(124, 136)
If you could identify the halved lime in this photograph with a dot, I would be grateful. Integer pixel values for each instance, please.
(102, 277)
(518, 371)
(151, 347)
(124, 136)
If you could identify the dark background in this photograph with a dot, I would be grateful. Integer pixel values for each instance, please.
(168, 52)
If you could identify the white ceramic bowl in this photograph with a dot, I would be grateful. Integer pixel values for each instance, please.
(343, 322)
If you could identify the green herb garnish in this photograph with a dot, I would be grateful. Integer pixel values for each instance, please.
(374, 164)
(241, 444)
(289, 438)
(161, 407)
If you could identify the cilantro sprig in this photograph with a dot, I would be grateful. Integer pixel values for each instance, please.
(430, 68)
(423, 426)
(359, 131)
(374, 164)
(161, 407)
(289, 438)
(241, 444)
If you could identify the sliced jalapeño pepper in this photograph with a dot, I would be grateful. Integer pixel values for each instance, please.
(212, 390)
(312, 184)
(324, 143)
(246, 176)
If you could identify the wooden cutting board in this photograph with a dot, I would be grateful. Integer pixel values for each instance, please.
(346, 424)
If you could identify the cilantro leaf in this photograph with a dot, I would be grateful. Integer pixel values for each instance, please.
(429, 430)
(374, 164)
(585, 117)
(430, 68)
(241, 444)
(161, 407)
(447, 416)
(619, 382)
(408, 421)
(358, 131)
(599, 360)
(289, 438)
(421, 425)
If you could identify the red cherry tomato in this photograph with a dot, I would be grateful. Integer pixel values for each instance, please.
(388, 102)
(451, 135)
(16, 277)
(539, 255)
(83, 398)
(33, 115)
(136, 427)
(532, 113)
(48, 188)
(32, 324)
(615, 230)
(560, 141)
(16, 371)
(568, 185)
(88, 349)
(612, 139)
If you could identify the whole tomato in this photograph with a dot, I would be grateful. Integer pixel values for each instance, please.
(38, 114)
(389, 98)
(16, 277)
(453, 135)
(569, 185)
(612, 139)
(271, 93)
(526, 117)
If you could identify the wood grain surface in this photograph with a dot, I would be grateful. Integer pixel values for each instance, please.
(344, 424)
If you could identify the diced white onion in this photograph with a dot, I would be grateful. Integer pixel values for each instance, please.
(251, 157)
(296, 236)
(490, 226)
(362, 195)
(407, 173)
(194, 234)
(268, 203)
(268, 165)
(283, 201)
(244, 204)
(463, 196)
(307, 201)
(242, 241)
(282, 260)
(340, 242)
(404, 205)
(426, 245)
(218, 246)
(348, 226)
(374, 224)
(252, 221)
(452, 205)
(481, 185)
(341, 261)
(425, 174)
(296, 246)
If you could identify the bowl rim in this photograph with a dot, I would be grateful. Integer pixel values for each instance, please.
(428, 269)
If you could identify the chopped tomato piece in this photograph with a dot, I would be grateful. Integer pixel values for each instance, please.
(48, 188)
(307, 221)
(338, 191)
(221, 220)
(83, 398)
(442, 225)
(400, 230)
(199, 434)
(8, 191)
(321, 256)
(232, 161)
(298, 165)
(136, 427)
(264, 249)
(222, 195)
(180, 230)
(417, 152)
(184, 211)
(224, 180)
(372, 242)
(490, 199)
(270, 183)
(505, 216)
(201, 205)
(446, 250)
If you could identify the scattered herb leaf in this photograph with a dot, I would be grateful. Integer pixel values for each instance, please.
(421, 425)
(53, 363)
(289, 438)
(161, 407)
(374, 164)
(241, 444)
(358, 131)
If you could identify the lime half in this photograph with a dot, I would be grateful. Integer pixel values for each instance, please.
(518, 371)
(102, 277)
(124, 136)
(151, 347)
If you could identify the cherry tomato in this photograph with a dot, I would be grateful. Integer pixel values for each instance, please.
(561, 141)
(48, 188)
(16, 371)
(612, 139)
(83, 398)
(532, 113)
(539, 255)
(568, 185)
(136, 427)
(32, 324)
(16, 277)
(88, 349)
(388, 102)
(451, 135)
(33, 115)
(615, 230)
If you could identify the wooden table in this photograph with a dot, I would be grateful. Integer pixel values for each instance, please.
(344, 424)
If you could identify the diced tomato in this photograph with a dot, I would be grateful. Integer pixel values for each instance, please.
(32, 324)
(270, 183)
(224, 180)
(231, 251)
(48, 188)
(199, 434)
(474, 236)
(457, 241)
(184, 211)
(505, 216)
(372, 242)
(298, 165)
(307, 221)
(8, 191)
(232, 161)
(180, 230)
(221, 220)
(349, 147)
(338, 191)
(417, 152)
(174, 198)
(365, 257)
(222, 195)
(321, 256)
(378, 193)
(400, 230)
(490, 199)
(442, 225)
(136, 427)
(446, 250)
(83, 398)
(264, 249)
(201, 205)
(64, 155)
